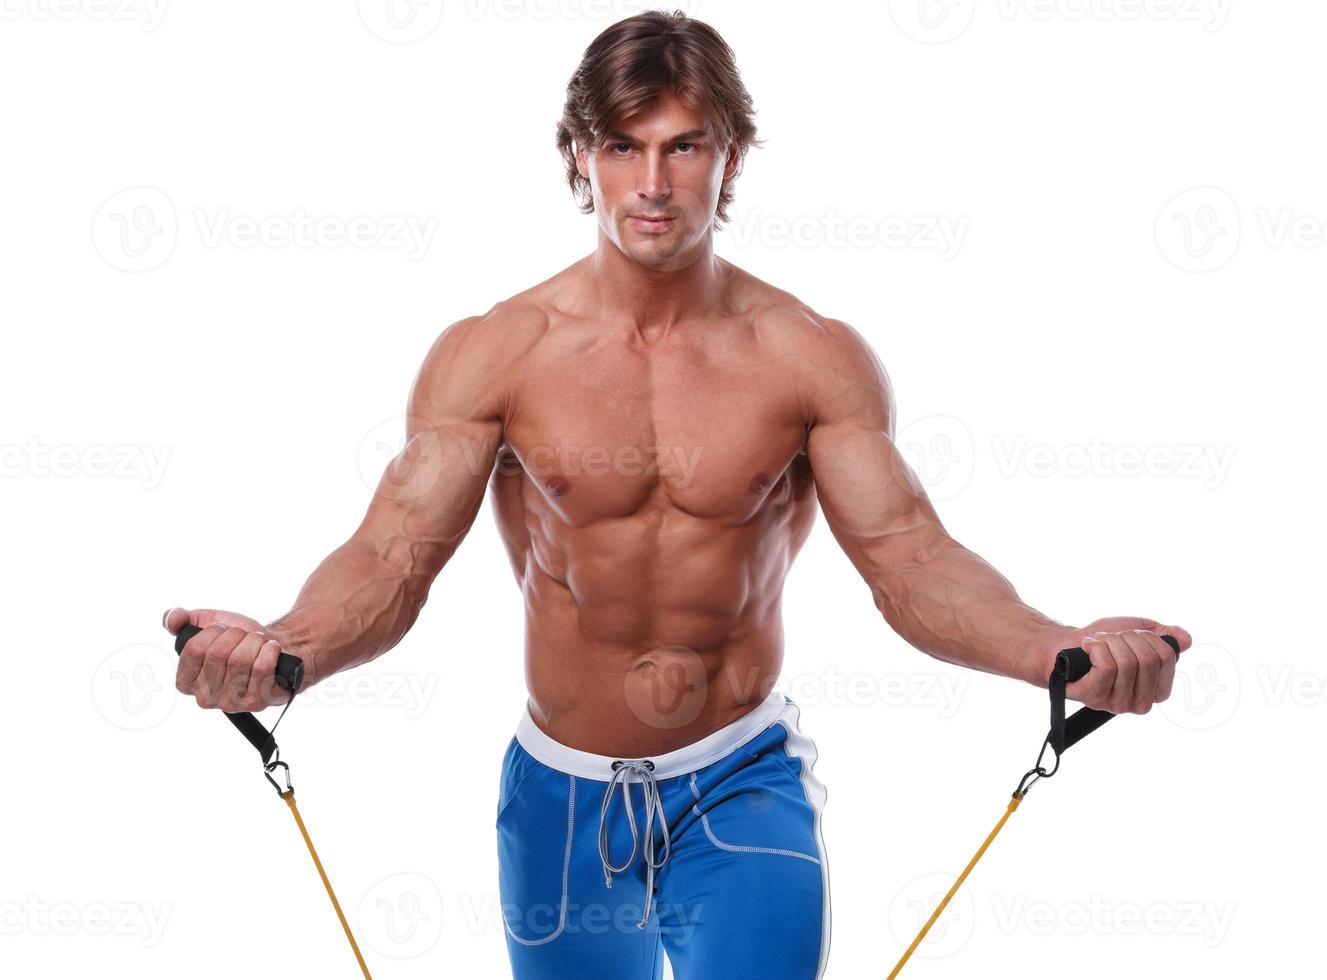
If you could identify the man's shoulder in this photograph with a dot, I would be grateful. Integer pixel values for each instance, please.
(784, 321)
(472, 361)
(511, 324)
(828, 355)
(479, 354)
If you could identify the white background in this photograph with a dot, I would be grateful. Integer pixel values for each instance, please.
(192, 417)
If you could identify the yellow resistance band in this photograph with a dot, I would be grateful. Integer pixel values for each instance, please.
(1013, 805)
(289, 797)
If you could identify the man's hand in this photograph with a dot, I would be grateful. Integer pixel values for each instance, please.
(231, 664)
(1132, 667)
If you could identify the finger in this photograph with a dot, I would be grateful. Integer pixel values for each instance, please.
(1152, 626)
(211, 679)
(1140, 643)
(191, 660)
(1126, 672)
(263, 683)
(234, 695)
(1166, 680)
(1095, 688)
(1180, 634)
(175, 619)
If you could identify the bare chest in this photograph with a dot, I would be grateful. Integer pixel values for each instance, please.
(606, 427)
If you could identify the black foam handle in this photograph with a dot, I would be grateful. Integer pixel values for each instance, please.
(289, 675)
(1073, 665)
(289, 669)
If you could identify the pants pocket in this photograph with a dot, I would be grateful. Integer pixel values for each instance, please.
(535, 829)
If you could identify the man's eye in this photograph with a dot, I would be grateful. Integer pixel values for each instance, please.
(619, 146)
(680, 145)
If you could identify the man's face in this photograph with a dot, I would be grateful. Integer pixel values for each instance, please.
(663, 163)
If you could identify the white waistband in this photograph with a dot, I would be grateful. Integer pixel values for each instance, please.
(678, 762)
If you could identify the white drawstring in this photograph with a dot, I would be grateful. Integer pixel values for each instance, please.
(644, 770)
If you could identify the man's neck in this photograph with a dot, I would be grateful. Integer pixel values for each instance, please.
(654, 299)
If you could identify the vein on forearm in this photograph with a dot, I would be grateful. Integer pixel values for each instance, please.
(953, 605)
(359, 602)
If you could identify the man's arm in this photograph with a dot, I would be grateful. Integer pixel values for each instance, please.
(365, 595)
(942, 598)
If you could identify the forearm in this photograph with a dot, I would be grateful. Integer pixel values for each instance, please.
(357, 605)
(951, 604)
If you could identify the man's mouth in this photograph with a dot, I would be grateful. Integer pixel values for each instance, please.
(652, 222)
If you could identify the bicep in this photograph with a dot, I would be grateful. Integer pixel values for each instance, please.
(429, 494)
(873, 502)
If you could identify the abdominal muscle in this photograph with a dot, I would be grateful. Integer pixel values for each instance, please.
(635, 700)
(648, 632)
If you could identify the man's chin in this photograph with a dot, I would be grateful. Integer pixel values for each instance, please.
(653, 250)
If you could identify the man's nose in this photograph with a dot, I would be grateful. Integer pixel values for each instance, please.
(653, 183)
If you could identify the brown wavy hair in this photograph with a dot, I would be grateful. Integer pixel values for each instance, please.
(630, 64)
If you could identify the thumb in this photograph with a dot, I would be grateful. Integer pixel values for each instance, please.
(176, 619)
(1181, 635)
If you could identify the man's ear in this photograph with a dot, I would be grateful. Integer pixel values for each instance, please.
(581, 166)
(734, 162)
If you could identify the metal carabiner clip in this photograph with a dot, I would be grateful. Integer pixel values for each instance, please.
(272, 766)
(1038, 771)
